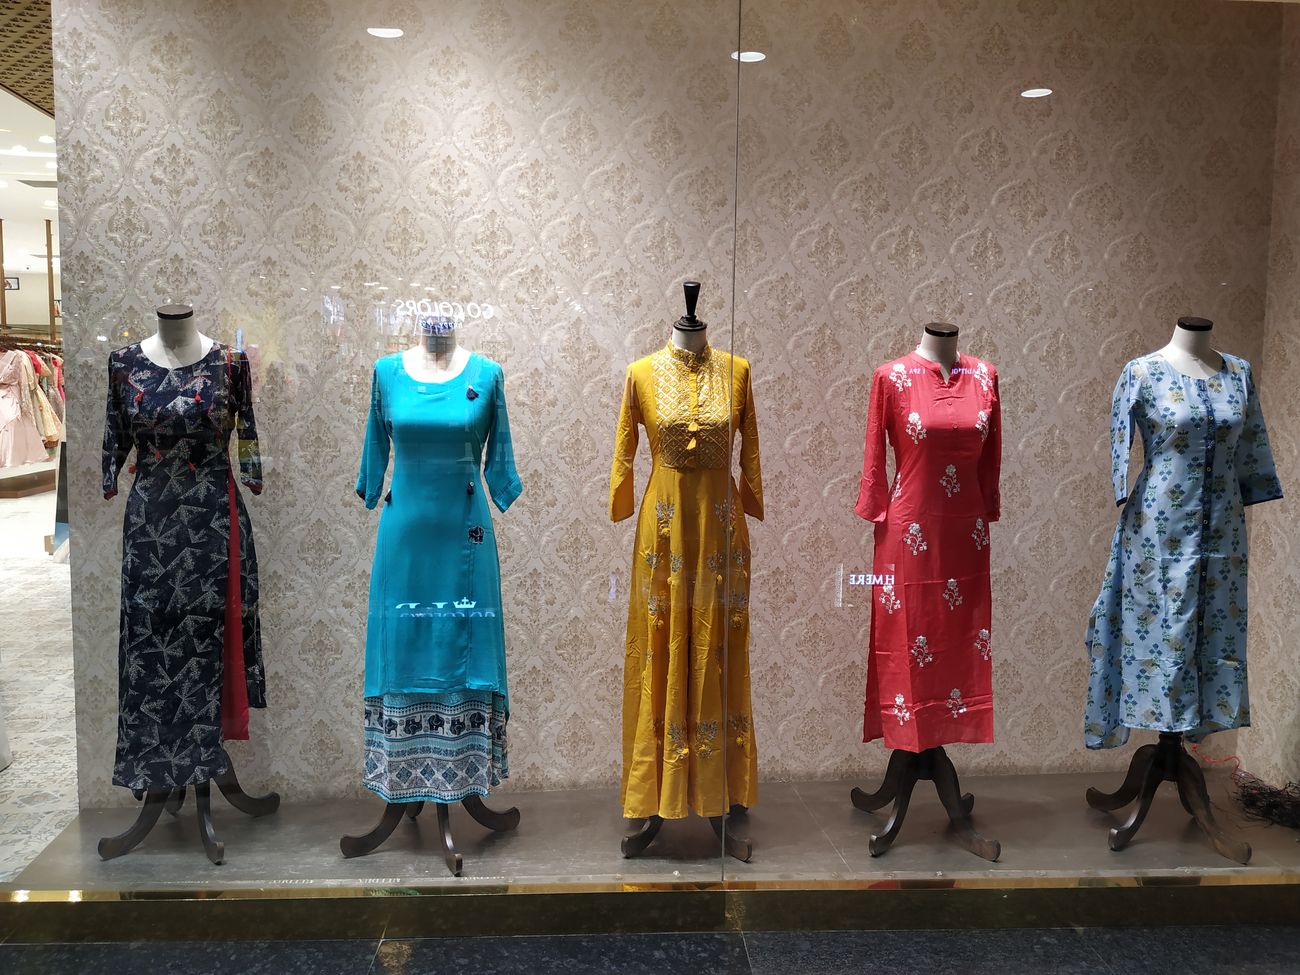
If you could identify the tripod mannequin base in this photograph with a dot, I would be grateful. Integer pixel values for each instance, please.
(480, 812)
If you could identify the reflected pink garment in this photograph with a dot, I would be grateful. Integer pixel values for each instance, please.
(20, 440)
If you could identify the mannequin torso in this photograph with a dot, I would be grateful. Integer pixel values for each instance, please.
(1189, 350)
(178, 342)
(437, 359)
(939, 344)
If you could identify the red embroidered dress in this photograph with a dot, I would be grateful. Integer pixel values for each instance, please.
(929, 669)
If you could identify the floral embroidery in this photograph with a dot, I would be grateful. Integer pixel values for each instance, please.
(652, 559)
(715, 562)
(951, 595)
(706, 732)
(476, 534)
(675, 562)
(980, 534)
(914, 428)
(901, 710)
(982, 424)
(955, 704)
(739, 726)
(899, 377)
(921, 652)
(739, 608)
(678, 746)
(914, 539)
(655, 606)
(949, 481)
(982, 376)
(983, 647)
(888, 599)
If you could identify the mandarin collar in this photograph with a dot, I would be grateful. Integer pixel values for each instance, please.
(691, 360)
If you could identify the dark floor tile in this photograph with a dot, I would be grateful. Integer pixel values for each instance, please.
(625, 954)
(205, 958)
(1199, 950)
(1004, 952)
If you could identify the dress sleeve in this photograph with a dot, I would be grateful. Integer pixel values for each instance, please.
(499, 466)
(374, 452)
(117, 429)
(250, 455)
(622, 503)
(990, 463)
(873, 493)
(751, 473)
(1127, 392)
(1256, 472)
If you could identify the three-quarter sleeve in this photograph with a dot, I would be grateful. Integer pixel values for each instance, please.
(117, 428)
(374, 452)
(1256, 471)
(622, 503)
(499, 462)
(1127, 392)
(873, 492)
(990, 462)
(245, 425)
(751, 472)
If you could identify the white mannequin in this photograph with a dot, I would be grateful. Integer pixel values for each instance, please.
(438, 358)
(178, 341)
(939, 344)
(1189, 350)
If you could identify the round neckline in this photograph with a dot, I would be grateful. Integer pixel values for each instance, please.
(158, 365)
(401, 364)
(1196, 379)
(934, 367)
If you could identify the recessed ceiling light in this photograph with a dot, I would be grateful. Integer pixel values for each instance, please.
(1035, 93)
(385, 32)
(748, 57)
(47, 139)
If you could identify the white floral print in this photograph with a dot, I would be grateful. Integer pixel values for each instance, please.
(955, 704)
(949, 481)
(980, 534)
(982, 424)
(921, 652)
(888, 599)
(983, 378)
(899, 377)
(914, 539)
(914, 428)
(983, 647)
(951, 595)
(901, 710)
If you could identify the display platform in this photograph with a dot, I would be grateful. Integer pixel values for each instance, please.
(562, 870)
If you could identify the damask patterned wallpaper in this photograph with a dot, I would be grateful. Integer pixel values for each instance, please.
(570, 164)
(1271, 748)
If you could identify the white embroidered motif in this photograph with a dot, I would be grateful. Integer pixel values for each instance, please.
(901, 711)
(914, 428)
(982, 424)
(950, 594)
(955, 704)
(983, 647)
(980, 534)
(899, 377)
(982, 376)
(888, 599)
(914, 540)
(921, 651)
(949, 481)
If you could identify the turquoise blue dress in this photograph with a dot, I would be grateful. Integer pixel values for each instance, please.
(436, 702)
(1167, 634)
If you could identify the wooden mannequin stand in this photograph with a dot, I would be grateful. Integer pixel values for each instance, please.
(156, 800)
(1167, 761)
(644, 831)
(499, 822)
(905, 769)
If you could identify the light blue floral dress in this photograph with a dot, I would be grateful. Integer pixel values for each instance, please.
(1167, 635)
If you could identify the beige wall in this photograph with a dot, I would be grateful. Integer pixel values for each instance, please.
(891, 175)
(1271, 749)
(571, 163)
(30, 304)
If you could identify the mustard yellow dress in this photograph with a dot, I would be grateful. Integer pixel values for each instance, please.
(686, 701)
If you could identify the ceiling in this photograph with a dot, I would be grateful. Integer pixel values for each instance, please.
(26, 60)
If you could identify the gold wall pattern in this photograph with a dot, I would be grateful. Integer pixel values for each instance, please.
(571, 163)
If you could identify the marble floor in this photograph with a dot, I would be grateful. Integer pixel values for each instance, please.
(1024, 951)
(38, 792)
(802, 833)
